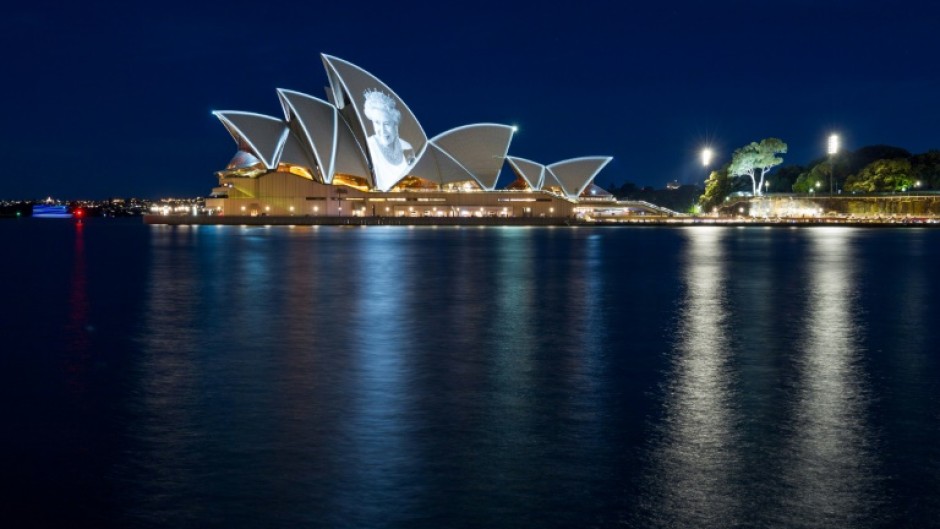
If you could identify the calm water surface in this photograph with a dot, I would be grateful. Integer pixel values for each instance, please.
(469, 377)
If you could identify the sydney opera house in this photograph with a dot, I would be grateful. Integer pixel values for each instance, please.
(362, 153)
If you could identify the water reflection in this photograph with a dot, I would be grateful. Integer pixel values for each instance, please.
(586, 327)
(829, 470)
(381, 455)
(514, 336)
(79, 328)
(167, 404)
(908, 356)
(694, 458)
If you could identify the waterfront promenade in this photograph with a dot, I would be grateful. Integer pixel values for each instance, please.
(677, 221)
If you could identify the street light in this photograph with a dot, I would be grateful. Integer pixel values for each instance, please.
(833, 150)
(707, 156)
(706, 160)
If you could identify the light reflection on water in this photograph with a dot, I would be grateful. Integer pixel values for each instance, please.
(720, 458)
(829, 466)
(467, 378)
(694, 458)
(381, 424)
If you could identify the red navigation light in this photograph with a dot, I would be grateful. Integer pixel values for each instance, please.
(79, 213)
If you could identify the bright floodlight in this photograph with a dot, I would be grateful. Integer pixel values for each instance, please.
(833, 143)
(707, 157)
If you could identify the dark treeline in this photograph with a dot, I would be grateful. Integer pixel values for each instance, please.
(872, 169)
(681, 199)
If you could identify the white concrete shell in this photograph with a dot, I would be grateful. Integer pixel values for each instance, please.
(296, 153)
(315, 121)
(262, 136)
(348, 156)
(440, 167)
(577, 173)
(479, 148)
(326, 135)
(532, 172)
(551, 183)
(332, 138)
(348, 83)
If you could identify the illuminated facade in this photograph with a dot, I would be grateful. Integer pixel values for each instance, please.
(363, 153)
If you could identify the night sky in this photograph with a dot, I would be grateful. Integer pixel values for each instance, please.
(104, 100)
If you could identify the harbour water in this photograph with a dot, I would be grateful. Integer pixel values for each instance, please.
(225, 376)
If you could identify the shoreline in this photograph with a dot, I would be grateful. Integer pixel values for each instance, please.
(215, 220)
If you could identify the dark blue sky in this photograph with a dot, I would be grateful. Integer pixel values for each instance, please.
(115, 101)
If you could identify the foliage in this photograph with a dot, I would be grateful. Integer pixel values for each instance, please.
(783, 179)
(841, 167)
(717, 187)
(882, 175)
(857, 160)
(925, 169)
(755, 160)
(814, 179)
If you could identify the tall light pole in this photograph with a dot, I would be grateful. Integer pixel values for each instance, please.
(833, 150)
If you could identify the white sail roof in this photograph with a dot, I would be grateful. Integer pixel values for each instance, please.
(575, 174)
(479, 148)
(337, 137)
(439, 167)
(532, 172)
(349, 85)
(262, 136)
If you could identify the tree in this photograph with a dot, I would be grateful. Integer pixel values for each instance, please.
(882, 175)
(857, 160)
(757, 158)
(813, 179)
(925, 169)
(784, 178)
(717, 187)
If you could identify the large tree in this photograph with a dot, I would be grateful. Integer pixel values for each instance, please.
(882, 175)
(756, 160)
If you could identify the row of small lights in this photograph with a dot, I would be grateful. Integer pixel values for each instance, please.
(362, 209)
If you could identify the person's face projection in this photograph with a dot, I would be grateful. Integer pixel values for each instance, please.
(386, 130)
